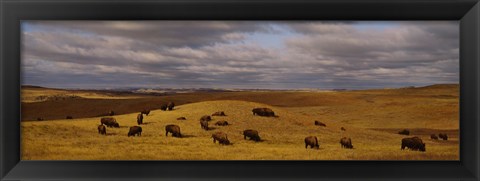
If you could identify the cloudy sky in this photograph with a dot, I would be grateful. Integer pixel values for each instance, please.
(239, 54)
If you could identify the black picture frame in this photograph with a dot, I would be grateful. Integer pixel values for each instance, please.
(13, 11)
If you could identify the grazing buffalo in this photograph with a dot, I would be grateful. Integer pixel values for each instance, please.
(311, 141)
(174, 129)
(318, 123)
(135, 130)
(433, 137)
(204, 124)
(343, 129)
(219, 113)
(109, 122)
(206, 118)
(111, 113)
(40, 119)
(251, 134)
(404, 132)
(443, 136)
(140, 119)
(69, 117)
(346, 143)
(221, 123)
(170, 106)
(102, 129)
(163, 107)
(181, 118)
(414, 143)
(221, 137)
(263, 112)
(146, 112)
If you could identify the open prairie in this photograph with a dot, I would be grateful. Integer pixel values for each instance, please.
(371, 118)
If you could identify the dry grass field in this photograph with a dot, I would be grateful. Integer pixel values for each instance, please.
(371, 119)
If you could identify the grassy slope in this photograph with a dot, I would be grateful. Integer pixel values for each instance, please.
(78, 139)
(30, 94)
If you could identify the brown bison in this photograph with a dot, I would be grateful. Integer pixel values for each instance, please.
(251, 134)
(414, 143)
(135, 130)
(163, 107)
(102, 129)
(181, 118)
(109, 122)
(318, 123)
(311, 141)
(170, 106)
(204, 124)
(40, 119)
(443, 136)
(221, 138)
(69, 117)
(219, 113)
(221, 123)
(146, 112)
(263, 112)
(111, 113)
(174, 129)
(433, 137)
(206, 118)
(346, 143)
(343, 129)
(140, 119)
(404, 132)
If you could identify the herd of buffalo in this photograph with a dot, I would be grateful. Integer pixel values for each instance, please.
(413, 143)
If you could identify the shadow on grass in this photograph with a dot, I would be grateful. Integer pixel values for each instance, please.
(211, 128)
(145, 123)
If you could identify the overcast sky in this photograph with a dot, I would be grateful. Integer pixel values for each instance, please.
(239, 54)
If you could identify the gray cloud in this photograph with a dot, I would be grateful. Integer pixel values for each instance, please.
(96, 54)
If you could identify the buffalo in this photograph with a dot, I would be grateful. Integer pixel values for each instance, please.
(140, 119)
(433, 137)
(163, 107)
(443, 136)
(221, 137)
(343, 129)
(414, 143)
(146, 112)
(221, 123)
(181, 118)
(135, 130)
(206, 118)
(102, 129)
(219, 113)
(346, 143)
(111, 113)
(174, 129)
(109, 122)
(170, 106)
(40, 119)
(404, 132)
(318, 123)
(69, 117)
(251, 134)
(204, 124)
(263, 112)
(311, 141)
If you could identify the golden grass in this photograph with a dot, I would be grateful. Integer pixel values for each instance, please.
(283, 136)
(30, 95)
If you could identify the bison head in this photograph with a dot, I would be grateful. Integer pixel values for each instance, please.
(116, 125)
(422, 148)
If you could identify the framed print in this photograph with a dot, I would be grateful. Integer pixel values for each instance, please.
(240, 90)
